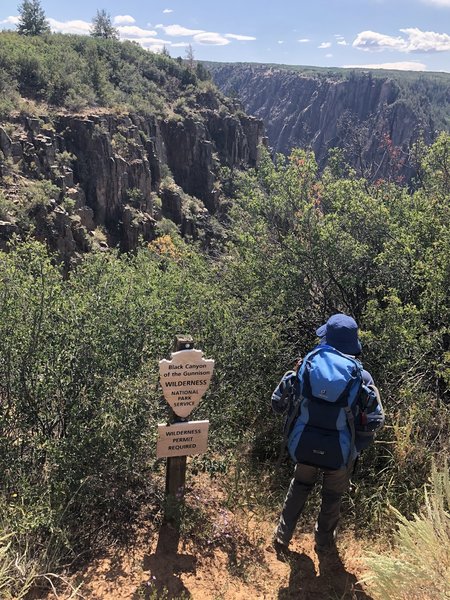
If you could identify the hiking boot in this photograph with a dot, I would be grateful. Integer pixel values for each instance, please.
(325, 549)
(324, 544)
(281, 549)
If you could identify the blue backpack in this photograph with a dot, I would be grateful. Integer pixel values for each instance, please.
(322, 433)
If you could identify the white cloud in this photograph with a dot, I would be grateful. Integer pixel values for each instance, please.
(414, 40)
(328, 56)
(157, 49)
(10, 21)
(132, 31)
(210, 38)
(398, 66)
(179, 45)
(371, 40)
(77, 26)
(167, 11)
(340, 39)
(280, 41)
(200, 36)
(145, 37)
(240, 38)
(324, 45)
(152, 43)
(124, 20)
(178, 30)
(444, 3)
(304, 40)
(426, 41)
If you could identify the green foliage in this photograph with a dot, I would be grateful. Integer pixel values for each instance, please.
(331, 243)
(437, 167)
(31, 196)
(76, 72)
(68, 386)
(202, 72)
(135, 197)
(78, 382)
(65, 159)
(6, 207)
(32, 19)
(167, 227)
(8, 93)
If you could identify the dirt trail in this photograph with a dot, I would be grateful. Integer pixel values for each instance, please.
(139, 574)
(222, 556)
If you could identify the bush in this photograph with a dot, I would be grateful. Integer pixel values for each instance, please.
(78, 383)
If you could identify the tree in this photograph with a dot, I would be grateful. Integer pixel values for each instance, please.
(102, 26)
(190, 59)
(202, 72)
(32, 19)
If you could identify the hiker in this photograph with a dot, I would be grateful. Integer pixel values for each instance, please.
(333, 410)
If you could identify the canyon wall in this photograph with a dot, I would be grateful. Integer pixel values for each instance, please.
(375, 120)
(116, 176)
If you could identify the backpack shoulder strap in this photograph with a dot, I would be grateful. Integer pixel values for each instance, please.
(351, 426)
(294, 391)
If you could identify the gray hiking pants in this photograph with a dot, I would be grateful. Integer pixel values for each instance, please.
(335, 484)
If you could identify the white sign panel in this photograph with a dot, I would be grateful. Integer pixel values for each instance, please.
(184, 379)
(182, 439)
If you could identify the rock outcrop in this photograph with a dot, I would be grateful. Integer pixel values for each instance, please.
(109, 171)
(369, 117)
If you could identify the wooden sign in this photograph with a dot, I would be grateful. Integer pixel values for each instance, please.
(184, 380)
(182, 439)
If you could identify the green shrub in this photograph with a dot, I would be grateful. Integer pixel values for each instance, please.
(6, 207)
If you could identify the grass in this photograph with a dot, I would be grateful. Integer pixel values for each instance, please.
(16, 576)
(419, 567)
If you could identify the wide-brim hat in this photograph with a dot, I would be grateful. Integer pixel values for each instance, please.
(341, 332)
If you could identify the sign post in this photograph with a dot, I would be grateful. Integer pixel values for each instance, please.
(184, 380)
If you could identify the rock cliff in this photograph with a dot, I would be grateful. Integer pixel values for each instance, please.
(375, 120)
(115, 177)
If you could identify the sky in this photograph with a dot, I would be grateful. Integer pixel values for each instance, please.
(397, 34)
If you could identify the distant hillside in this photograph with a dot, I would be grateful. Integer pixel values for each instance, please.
(74, 72)
(375, 117)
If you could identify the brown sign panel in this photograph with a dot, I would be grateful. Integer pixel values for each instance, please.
(182, 439)
(184, 379)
